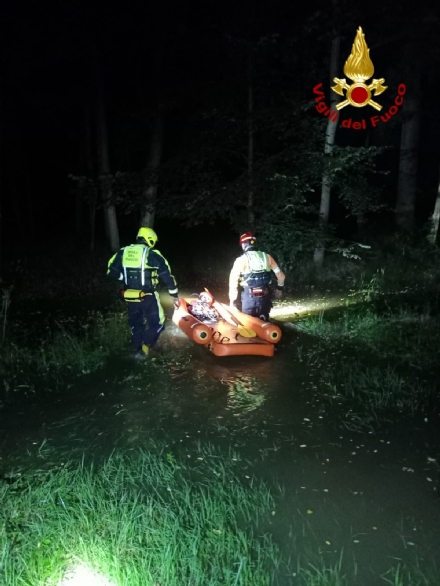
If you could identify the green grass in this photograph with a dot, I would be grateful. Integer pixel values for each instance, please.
(402, 335)
(378, 361)
(413, 576)
(371, 395)
(74, 350)
(141, 518)
(154, 516)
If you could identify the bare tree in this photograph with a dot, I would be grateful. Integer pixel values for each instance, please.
(330, 133)
(409, 155)
(106, 184)
(152, 173)
(91, 191)
(435, 219)
(250, 157)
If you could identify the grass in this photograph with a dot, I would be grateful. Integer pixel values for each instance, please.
(372, 395)
(377, 359)
(77, 351)
(154, 516)
(140, 518)
(399, 334)
(403, 576)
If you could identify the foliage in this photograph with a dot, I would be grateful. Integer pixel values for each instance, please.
(350, 170)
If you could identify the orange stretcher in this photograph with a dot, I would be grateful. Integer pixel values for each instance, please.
(234, 334)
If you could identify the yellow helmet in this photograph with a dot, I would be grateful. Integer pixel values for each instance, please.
(149, 235)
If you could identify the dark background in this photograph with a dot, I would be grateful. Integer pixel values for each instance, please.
(46, 72)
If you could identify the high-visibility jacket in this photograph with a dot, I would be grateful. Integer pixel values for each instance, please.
(141, 268)
(253, 269)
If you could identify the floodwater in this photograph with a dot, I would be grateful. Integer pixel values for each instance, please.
(371, 498)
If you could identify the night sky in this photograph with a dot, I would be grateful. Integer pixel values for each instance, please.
(47, 75)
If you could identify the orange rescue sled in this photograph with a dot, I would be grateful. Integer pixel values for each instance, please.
(223, 338)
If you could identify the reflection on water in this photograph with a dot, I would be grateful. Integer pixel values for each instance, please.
(245, 394)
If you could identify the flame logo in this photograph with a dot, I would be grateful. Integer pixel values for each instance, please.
(359, 68)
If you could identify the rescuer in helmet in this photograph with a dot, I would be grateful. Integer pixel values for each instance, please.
(202, 308)
(252, 271)
(140, 268)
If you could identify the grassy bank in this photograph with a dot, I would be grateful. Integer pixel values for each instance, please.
(140, 518)
(30, 355)
(379, 359)
(152, 516)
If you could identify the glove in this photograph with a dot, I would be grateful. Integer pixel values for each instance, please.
(176, 302)
(278, 293)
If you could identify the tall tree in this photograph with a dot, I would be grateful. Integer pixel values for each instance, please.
(330, 133)
(250, 198)
(1, 190)
(91, 191)
(151, 181)
(409, 155)
(435, 219)
(106, 181)
(155, 151)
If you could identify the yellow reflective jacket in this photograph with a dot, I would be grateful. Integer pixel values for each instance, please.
(141, 268)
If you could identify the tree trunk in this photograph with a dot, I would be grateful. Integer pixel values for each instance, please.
(435, 220)
(29, 192)
(14, 193)
(105, 180)
(408, 164)
(361, 221)
(1, 190)
(152, 172)
(324, 209)
(110, 220)
(78, 191)
(92, 191)
(250, 198)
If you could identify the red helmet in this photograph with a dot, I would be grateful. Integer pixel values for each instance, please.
(206, 297)
(247, 238)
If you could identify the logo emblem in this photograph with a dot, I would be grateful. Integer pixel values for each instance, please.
(359, 68)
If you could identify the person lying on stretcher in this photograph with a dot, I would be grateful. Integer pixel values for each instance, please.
(202, 308)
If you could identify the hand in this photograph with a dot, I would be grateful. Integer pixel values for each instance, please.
(176, 302)
(232, 304)
(278, 294)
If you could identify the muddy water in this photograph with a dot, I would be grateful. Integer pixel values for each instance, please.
(368, 497)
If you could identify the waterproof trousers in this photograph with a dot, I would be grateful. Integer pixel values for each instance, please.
(146, 320)
(256, 306)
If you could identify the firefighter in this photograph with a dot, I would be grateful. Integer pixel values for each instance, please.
(141, 267)
(252, 271)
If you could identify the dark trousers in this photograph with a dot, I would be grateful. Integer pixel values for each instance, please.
(146, 320)
(256, 306)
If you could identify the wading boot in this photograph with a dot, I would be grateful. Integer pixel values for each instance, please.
(142, 354)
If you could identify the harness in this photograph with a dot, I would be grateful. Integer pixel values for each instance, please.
(139, 277)
(258, 278)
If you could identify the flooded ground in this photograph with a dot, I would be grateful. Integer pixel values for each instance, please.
(368, 498)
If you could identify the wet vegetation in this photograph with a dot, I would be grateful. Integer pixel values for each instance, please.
(139, 518)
